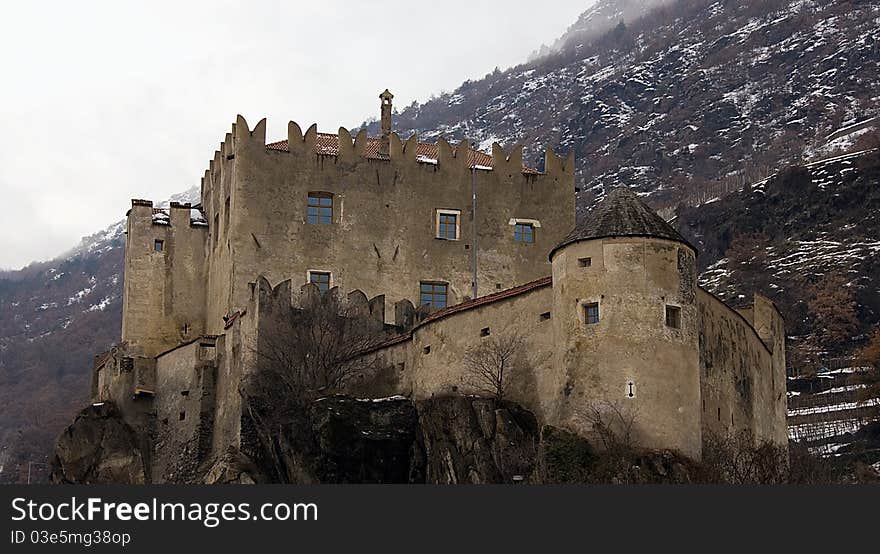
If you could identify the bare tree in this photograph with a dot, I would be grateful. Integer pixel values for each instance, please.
(316, 350)
(490, 365)
(300, 355)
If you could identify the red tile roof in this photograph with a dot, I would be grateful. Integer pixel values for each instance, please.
(328, 144)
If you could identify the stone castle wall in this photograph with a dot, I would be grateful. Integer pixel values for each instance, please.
(164, 296)
(382, 240)
(742, 377)
(630, 359)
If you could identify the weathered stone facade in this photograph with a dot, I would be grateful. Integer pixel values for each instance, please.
(612, 318)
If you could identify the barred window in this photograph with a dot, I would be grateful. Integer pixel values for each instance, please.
(591, 313)
(524, 232)
(320, 208)
(433, 294)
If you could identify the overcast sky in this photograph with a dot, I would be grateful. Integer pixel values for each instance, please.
(104, 101)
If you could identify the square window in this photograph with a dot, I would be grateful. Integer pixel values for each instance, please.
(319, 208)
(159, 245)
(433, 294)
(545, 316)
(591, 313)
(585, 262)
(673, 317)
(484, 332)
(447, 224)
(321, 279)
(524, 232)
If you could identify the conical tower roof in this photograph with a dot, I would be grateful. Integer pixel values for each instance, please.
(621, 214)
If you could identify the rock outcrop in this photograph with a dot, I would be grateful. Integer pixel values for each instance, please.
(99, 448)
(366, 441)
(477, 440)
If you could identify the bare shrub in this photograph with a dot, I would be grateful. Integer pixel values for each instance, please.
(611, 425)
(737, 459)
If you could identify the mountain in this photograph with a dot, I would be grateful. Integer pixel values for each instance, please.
(688, 106)
(54, 318)
(699, 95)
(601, 18)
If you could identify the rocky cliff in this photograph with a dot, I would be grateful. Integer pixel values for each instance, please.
(448, 440)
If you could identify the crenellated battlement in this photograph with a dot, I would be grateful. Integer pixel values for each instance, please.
(347, 149)
(176, 214)
(354, 304)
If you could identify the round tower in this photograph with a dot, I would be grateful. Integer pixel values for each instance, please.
(626, 325)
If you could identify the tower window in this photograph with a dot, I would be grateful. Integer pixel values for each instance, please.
(433, 294)
(158, 245)
(321, 279)
(447, 224)
(484, 332)
(673, 317)
(585, 262)
(591, 313)
(524, 232)
(545, 316)
(320, 208)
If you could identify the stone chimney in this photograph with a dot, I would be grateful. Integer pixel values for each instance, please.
(385, 143)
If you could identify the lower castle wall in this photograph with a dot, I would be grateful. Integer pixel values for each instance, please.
(738, 379)
(442, 370)
(184, 403)
(197, 411)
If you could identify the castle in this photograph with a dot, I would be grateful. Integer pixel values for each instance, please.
(442, 247)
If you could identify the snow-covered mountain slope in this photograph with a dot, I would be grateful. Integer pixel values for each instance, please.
(599, 19)
(807, 233)
(698, 94)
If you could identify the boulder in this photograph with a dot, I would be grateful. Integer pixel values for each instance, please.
(231, 468)
(98, 448)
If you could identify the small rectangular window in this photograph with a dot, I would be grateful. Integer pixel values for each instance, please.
(159, 245)
(182, 416)
(524, 232)
(484, 332)
(673, 317)
(321, 279)
(591, 313)
(545, 316)
(427, 349)
(433, 294)
(585, 262)
(320, 208)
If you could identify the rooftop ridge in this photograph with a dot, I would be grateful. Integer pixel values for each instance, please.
(621, 214)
